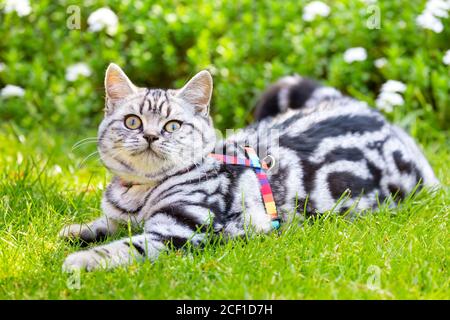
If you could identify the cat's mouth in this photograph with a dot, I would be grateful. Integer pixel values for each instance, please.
(153, 151)
(147, 150)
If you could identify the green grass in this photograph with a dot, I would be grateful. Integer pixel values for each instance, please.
(246, 45)
(327, 258)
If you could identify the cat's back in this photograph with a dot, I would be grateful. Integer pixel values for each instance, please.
(337, 144)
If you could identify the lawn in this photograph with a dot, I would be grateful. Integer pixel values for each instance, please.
(53, 55)
(393, 254)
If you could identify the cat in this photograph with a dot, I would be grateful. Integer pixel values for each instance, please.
(157, 144)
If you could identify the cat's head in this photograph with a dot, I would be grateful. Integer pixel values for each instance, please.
(148, 134)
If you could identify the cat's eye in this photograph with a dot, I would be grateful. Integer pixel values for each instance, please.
(132, 122)
(172, 126)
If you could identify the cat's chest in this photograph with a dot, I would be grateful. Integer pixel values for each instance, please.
(128, 199)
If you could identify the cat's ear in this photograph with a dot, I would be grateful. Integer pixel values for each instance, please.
(197, 92)
(117, 84)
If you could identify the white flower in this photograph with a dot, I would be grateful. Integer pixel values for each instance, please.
(103, 18)
(438, 8)
(434, 9)
(387, 100)
(76, 70)
(2, 66)
(390, 95)
(12, 91)
(56, 169)
(393, 86)
(19, 158)
(156, 10)
(21, 7)
(314, 9)
(380, 62)
(446, 58)
(355, 54)
(427, 21)
(171, 18)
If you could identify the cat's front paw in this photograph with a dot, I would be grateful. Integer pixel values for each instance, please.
(83, 260)
(78, 231)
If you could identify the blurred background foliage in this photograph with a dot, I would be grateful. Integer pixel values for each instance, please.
(246, 44)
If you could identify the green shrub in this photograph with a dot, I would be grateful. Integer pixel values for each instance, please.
(246, 44)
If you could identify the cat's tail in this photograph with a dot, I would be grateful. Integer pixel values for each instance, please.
(290, 92)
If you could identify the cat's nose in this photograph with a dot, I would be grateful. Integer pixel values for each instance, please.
(150, 138)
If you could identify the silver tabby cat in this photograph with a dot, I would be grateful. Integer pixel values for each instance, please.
(156, 143)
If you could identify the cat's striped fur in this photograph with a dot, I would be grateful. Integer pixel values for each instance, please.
(323, 142)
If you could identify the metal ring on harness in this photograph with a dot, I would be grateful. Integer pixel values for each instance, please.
(272, 162)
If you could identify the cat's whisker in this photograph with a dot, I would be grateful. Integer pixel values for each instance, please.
(83, 144)
(76, 144)
(87, 158)
(87, 138)
(96, 153)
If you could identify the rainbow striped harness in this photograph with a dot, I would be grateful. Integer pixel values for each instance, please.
(260, 167)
